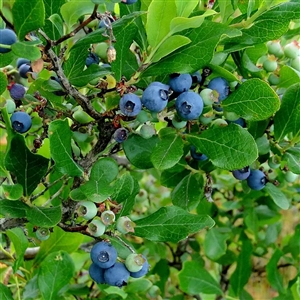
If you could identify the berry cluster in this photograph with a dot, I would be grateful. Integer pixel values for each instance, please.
(256, 179)
(106, 269)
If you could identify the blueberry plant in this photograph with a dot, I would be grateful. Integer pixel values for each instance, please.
(149, 149)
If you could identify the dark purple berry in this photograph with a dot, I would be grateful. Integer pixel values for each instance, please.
(121, 135)
(17, 91)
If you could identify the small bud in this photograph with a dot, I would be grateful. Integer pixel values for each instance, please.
(125, 225)
(111, 54)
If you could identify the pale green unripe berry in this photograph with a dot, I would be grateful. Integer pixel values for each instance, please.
(125, 225)
(274, 162)
(275, 48)
(178, 124)
(142, 117)
(295, 63)
(270, 64)
(147, 131)
(96, 228)
(87, 209)
(231, 116)
(10, 106)
(141, 196)
(101, 50)
(108, 217)
(273, 79)
(134, 262)
(290, 176)
(42, 233)
(209, 96)
(219, 123)
(292, 49)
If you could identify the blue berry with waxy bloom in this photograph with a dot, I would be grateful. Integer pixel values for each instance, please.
(104, 255)
(117, 275)
(196, 77)
(241, 174)
(120, 135)
(96, 273)
(180, 82)
(92, 58)
(129, 1)
(144, 270)
(130, 105)
(24, 69)
(189, 105)
(155, 96)
(16, 90)
(196, 155)
(220, 85)
(21, 121)
(256, 180)
(21, 61)
(7, 37)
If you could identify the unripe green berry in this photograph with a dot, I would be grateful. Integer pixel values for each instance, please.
(231, 116)
(292, 49)
(101, 50)
(209, 96)
(275, 48)
(142, 117)
(290, 176)
(42, 233)
(87, 209)
(219, 123)
(273, 79)
(270, 65)
(108, 217)
(134, 262)
(295, 63)
(125, 225)
(178, 124)
(10, 106)
(141, 196)
(96, 228)
(274, 162)
(147, 131)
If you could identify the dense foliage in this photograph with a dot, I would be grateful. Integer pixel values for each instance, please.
(149, 149)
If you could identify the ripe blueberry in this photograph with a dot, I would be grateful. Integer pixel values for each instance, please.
(96, 273)
(7, 37)
(180, 82)
(129, 1)
(241, 174)
(155, 97)
(92, 58)
(189, 105)
(256, 180)
(196, 155)
(21, 121)
(130, 105)
(16, 90)
(117, 275)
(196, 77)
(104, 255)
(120, 135)
(22, 61)
(24, 69)
(220, 85)
(144, 270)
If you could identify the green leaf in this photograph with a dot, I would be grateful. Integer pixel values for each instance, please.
(31, 289)
(105, 169)
(44, 216)
(5, 293)
(171, 44)
(288, 76)
(138, 150)
(194, 279)
(123, 188)
(3, 82)
(18, 238)
(53, 7)
(139, 286)
(215, 243)
(159, 17)
(254, 100)
(73, 10)
(59, 240)
(277, 195)
(291, 156)
(230, 147)
(28, 16)
(287, 119)
(241, 274)
(96, 190)
(168, 150)
(273, 275)
(60, 147)
(54, 273)
(171, 224)
(185, 8)
(84, 77)
(26, 50)
(13, 209)
(204, 40)
(6, 59)
(12, 192)
(28, 168)
(188, 192)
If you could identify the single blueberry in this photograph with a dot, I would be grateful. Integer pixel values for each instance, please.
(92, 58)
(220, 85)
(144, 270)
(155, 97)
(117, 275)
(180, 82)
(196, 77)
(24, 69)
(120, 135)
(129, 1)
(104, 255)
(96, 273)
(189, 105)
(7, 37)
(17, 91)
(22, 61)
(21, 121)
(241, 174)
(130, 105)
(196, 155)
(256, 180)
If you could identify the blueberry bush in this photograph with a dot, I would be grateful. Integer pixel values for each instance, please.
(150, 149)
